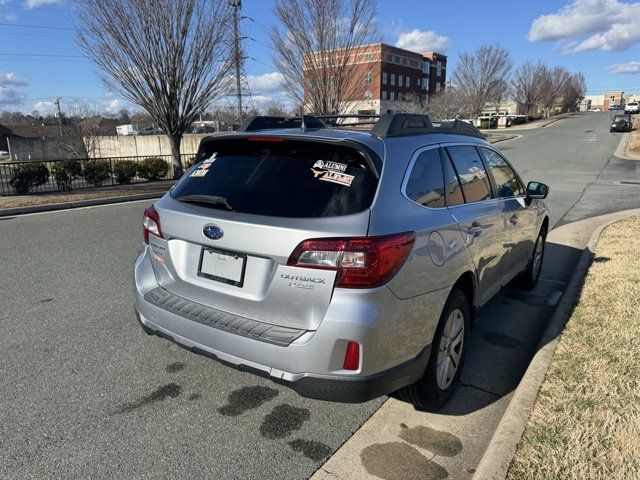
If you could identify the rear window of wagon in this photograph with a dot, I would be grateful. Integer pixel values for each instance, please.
(283, 178)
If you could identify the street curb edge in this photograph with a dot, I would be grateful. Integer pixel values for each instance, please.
(11, 212)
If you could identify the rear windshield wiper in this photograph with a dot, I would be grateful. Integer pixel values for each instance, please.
(214, 200)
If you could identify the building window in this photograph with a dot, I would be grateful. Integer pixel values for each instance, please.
(404, 61)
(384, 78)
(368, 57)
(393, 79)
(384, 94)
(368, 78)
(437, 86)
(439, 68)
(367, 95)
(390, 58)
(407, 82)
(612, 100)
(425, 66)
(392, 95)
(398, 60)
(425, 83)
(400, 80)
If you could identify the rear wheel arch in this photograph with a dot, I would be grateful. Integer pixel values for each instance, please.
(467, 284)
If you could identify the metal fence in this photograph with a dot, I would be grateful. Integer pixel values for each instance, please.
(11, 170)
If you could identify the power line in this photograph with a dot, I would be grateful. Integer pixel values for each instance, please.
(35, 35)
(40, 55)
(16, 25)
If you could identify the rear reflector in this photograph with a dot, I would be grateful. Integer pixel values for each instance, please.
(364, 262)
(352, 357)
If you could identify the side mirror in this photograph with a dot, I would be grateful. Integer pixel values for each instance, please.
(537, 190)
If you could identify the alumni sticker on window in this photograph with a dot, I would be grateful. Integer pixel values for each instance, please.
(332, 172)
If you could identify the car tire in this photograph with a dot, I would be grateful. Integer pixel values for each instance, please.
(438, 382)
(529, 277)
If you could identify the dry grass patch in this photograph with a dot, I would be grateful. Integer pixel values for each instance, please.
(586, 420)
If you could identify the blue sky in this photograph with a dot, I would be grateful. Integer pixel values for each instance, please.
(598, 37)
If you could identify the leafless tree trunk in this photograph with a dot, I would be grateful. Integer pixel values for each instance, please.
(171, 57)
(482, 77)
(315, 48)
(527, 80)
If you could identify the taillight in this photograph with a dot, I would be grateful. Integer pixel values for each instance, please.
(365, 262)
(151, 224)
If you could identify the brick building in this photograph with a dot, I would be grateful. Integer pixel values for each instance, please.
(613, 98)
(386, 78)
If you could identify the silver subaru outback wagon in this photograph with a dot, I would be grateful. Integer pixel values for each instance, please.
(344, 264)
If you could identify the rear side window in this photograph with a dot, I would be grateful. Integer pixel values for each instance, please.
(279, 177)
(471, 172)
(504, 176)
(425, 185)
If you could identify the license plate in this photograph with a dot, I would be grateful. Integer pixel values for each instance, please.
(222, 266)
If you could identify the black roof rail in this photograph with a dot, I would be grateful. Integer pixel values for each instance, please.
(459, 127)
(263, 122)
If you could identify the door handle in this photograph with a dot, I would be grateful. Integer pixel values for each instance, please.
(475, 229)
(514, 219)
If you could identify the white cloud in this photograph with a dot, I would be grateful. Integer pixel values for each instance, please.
(11, 17)
(604, 25)
(39, 3)
(9, 89)
(9, 78)
(630, 67)
(45, 108)
(423, 41)
(115, 105)
(265, 83)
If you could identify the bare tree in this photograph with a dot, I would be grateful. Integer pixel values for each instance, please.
(573, 91)
(482, 77)
(170, 57)
(82, 130)
(552, 82)
(527, 80)
(275, 109)
(447, 105)
(316, 46)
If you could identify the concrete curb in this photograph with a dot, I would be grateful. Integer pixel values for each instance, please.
(50, 207)
(496, 460)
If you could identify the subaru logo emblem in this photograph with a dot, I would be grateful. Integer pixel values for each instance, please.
(213, 232)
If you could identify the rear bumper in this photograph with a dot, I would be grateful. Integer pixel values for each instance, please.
(392, 352)
(345, 390)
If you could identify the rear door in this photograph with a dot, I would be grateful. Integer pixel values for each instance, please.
(231, 223)
(481, 218)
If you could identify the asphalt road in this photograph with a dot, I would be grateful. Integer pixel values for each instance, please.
(85, 394)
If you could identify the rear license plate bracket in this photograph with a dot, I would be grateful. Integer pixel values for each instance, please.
(222, 266)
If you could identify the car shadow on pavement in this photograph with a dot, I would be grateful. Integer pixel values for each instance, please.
(507, 334)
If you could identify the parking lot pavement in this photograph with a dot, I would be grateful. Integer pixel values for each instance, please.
(87, 395)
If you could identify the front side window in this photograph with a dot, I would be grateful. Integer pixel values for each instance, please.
(504, 177)
(454, 189)
(471, 172)
(425, 185)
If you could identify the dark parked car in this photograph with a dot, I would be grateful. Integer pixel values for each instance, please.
(621, 123)
(616, 107)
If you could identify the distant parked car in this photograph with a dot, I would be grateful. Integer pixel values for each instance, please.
(4, 153)
(621, 123)
(632, 107)
(147, 131)
(616, 107)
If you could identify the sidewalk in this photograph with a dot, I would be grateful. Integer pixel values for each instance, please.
(121, 192)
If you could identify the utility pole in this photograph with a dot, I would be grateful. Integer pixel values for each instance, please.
(236, 4)
(59, 115)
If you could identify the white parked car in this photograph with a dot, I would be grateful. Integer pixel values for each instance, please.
(632, 107)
